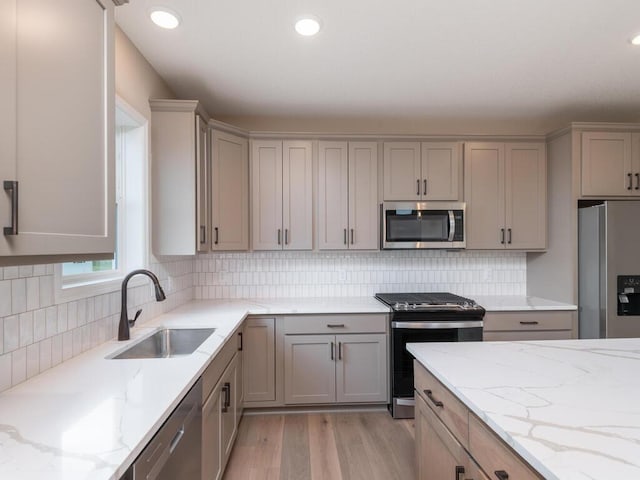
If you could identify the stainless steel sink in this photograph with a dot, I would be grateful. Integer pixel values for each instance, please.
(168, 342)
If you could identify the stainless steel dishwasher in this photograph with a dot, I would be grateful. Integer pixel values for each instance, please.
(175, 452)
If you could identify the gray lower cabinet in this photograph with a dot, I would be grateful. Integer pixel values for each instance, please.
(350, 368)
(259, 358)
(221, 411)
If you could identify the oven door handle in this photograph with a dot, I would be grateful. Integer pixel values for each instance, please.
(437, 325)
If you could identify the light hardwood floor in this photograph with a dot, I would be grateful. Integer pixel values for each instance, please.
(323, 446)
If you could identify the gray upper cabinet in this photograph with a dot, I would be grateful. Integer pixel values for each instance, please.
(610, 164)
(506, 195)
(180, 176)
(426, 171)
(57, 127)
(281, 205)
(229, 192)
(348, 195)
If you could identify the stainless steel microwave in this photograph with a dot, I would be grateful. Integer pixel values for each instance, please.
(409, 225)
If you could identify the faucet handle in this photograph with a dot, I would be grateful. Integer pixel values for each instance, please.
(135, 317)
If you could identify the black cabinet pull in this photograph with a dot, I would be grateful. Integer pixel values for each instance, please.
(339, 350)
(335, 325)
(501, 474)
(203, 234)
(352, 236)
(418, 187)
(630, 186)
(430, 396)
(240, 347)
(12, 187)
(226, 388)
(345, 236)
(637, 181)
(532, 322)
(332, 350)
(509, 232)
(502, 236)
(459, 471)
(216, 232)
(424, 192)
(279, 237)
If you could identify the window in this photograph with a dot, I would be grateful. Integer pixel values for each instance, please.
(79, 279)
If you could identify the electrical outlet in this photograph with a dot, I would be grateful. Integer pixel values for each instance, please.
(342, 275)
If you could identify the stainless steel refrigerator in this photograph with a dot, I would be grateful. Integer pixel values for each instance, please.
(609, 270)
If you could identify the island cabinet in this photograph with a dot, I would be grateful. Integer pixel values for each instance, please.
(180, 177)
(530, 325)
(229, 192)
(221, 407)
(610, 164)
(415, 171)
(453, 443)
(348, 196)
(335, 359)
(56, 129)
(281, 192)
(505, 189)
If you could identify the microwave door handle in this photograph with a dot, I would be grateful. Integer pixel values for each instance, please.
(452, 226)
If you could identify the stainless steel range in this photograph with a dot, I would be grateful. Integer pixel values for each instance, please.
(424, 317)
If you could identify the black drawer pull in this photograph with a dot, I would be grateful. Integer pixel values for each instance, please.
(459, 471)
(335, 325)
(532, 322)
(430, 396)
(501, 474)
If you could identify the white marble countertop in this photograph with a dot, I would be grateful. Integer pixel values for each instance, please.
(571, 408)
(517, 303)
(90, 417)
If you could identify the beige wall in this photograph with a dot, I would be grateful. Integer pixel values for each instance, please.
(136, 80)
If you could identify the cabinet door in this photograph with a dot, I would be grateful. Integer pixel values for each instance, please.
(8, 111)
(526, 195)
(309, 369)
(59, 83)
(202, 184)
(211, 428)
(266, 191)
(606, 163)
(364, 223)
(401, 167)
(259, 340)
(484, 194)
(333, 195)
(230, 192)
(228, 420)
(441, 169)
(297, 195)
(438, 453)
(361, 368)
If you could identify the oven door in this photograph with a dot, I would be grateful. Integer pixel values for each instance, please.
(423, 225)
(402, 361)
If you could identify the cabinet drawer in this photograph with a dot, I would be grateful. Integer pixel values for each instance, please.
(526, 321)
(494, 455)
(518, 335)
(451, 411)
(337, 324)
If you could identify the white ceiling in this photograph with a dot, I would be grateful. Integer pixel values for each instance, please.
(543, 60)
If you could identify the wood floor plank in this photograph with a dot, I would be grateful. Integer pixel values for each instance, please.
(323, 446)
(295, 463)
(323, 453)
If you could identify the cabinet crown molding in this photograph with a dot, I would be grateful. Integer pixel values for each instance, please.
(170, 105)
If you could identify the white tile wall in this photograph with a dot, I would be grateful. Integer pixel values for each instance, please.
(317, 274)
(37, 334)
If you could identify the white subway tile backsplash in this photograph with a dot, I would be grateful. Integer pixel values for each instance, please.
(33, 360)
(5, 298)
(45, 354)
(19, 366)
(26, 329)
(11, 333)
(314, 274)
(5, 371)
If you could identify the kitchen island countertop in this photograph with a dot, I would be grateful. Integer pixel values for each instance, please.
(570, 408)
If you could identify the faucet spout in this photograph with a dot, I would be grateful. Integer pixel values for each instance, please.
(125, 324)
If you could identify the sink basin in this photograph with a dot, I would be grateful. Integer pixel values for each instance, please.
(168, 342)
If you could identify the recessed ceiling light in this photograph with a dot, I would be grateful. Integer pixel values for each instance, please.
(164, 18)
(636, 40)
(308, 25)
